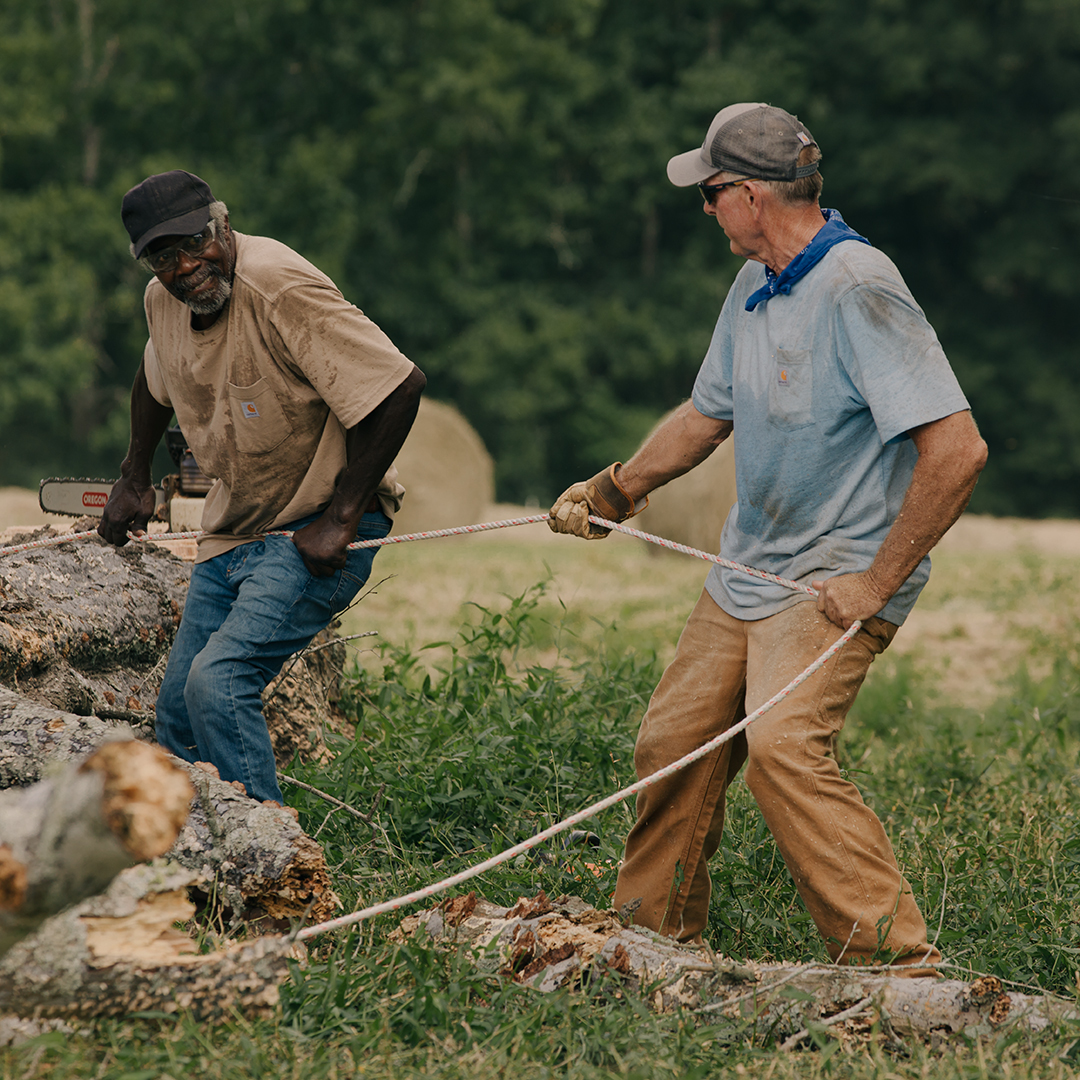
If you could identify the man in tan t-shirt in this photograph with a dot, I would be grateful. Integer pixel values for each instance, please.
(296, 404)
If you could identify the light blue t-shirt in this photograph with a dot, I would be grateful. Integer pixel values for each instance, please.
(822, 385)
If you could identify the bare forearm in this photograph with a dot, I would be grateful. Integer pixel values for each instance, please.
(686, 439)
(944, 477)
(149, 419)
(951, 456)
(371, 447)
(131, 501)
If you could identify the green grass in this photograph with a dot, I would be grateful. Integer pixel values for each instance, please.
(475, 744)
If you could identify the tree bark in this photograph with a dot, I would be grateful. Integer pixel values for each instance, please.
(120, 953)
(67, 837)
(84, 634)
(256, 860)
(86, 627)
(548, 945)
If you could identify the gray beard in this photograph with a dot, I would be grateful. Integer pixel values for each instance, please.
(208, 305)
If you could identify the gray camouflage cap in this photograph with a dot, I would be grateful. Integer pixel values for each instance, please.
(750, 139)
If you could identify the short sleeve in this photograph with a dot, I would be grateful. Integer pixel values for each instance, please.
(349, 361)
(894, 359)
(154, 381)
(712, 394)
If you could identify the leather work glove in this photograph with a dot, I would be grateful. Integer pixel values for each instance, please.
(602, 496)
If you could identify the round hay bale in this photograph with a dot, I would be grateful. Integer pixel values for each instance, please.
(448, 474)
(692, 508)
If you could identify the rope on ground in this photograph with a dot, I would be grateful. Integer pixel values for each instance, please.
(582, 815)
(589, 811)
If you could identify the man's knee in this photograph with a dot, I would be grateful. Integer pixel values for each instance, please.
(211, 681)
(774, 752)
(654, 745)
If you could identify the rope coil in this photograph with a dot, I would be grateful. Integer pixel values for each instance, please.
(715, 743)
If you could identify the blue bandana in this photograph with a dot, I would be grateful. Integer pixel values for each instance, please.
(834, 231)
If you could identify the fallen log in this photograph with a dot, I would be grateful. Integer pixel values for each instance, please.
(67, 837)
(87, 628)
(257, 860)
(552, 944)
(120, 953)
(301, 703)
(84, 635)
(83, 624)
(259, 863)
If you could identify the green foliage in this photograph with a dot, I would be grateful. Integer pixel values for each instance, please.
(983, 810)
(482, 756)
(486, 178)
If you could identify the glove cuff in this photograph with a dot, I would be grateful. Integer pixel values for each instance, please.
(607, 497)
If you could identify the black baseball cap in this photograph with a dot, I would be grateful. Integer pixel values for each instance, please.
(175, 203)
(750, 139)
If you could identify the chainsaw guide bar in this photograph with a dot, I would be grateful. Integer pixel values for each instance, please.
(80, 497)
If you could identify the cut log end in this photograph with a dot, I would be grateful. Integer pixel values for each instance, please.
(146, 796)
(13, 879)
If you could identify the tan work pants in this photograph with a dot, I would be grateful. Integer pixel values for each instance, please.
(833, 844)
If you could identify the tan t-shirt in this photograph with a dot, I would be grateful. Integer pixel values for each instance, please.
(265, 395)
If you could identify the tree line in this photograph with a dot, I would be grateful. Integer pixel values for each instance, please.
(486, 179)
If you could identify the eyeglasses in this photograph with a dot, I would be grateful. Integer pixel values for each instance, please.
(710, 191)
(166, 258)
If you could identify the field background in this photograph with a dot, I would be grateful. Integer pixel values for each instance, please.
(1002, 591)
(966, 739)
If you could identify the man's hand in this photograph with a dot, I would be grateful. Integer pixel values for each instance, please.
(130, 506)
(848, 597)
(323, 545)
(570, 514)
(603, 496)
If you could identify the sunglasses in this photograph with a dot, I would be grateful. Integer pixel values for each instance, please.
(710, 191)
(166, 259)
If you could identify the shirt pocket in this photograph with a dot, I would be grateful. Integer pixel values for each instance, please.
(259, 422)
(791, 389)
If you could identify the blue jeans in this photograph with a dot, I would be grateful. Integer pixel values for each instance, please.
(247, 611)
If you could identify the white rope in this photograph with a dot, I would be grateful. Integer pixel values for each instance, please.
(589, 811)
(582, 815)
(598, 807)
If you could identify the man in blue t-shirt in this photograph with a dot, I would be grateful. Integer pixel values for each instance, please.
(854, 453)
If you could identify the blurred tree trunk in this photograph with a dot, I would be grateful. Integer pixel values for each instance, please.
(66, 837)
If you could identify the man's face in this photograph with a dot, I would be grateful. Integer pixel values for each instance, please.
(197, 273)
(733, 209)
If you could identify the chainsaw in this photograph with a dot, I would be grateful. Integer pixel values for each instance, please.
(178, 498)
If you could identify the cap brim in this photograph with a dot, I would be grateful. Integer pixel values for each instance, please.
(690, 168)
(194, 221)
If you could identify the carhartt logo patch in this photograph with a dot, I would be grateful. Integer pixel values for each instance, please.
(249, 410)
(781, 376)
